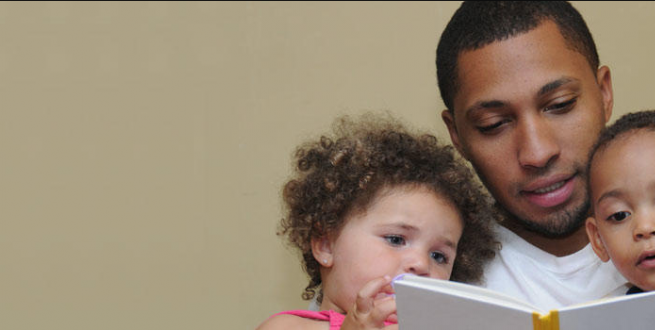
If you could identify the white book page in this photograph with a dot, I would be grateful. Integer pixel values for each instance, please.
(471, 291)
(635, 311)
(435, 306)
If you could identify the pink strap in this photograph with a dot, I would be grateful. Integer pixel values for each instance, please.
(320, 316)
(335, 319)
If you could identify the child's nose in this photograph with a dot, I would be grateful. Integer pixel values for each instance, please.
(645, 227)
(419, 264)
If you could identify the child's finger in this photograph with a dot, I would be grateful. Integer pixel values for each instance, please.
(383, 309)
(387, 289)
(365, 296)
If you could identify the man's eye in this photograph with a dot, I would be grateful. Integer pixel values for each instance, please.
(485, 129)
(562, 106)
(619, 216)
(439, 257)
(490, 129)
(395, 240)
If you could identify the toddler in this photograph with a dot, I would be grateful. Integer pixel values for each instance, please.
(622, 192)
(373, 201)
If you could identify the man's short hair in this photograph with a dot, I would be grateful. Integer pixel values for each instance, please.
(479, 23)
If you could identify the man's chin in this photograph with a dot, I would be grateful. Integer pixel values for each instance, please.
(550, 230)
(560, 224)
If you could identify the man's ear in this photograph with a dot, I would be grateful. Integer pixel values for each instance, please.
(604, 80)
(595, 239)
(322, 251)
(449, 120)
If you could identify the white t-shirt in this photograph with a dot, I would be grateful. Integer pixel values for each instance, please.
(526, 272)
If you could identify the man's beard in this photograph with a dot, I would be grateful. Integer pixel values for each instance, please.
(558, 224)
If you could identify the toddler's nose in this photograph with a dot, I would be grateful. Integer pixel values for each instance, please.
(418, 265)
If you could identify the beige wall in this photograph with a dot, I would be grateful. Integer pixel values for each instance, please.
(143, 145)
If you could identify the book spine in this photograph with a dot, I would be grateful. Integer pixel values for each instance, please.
(549, 321)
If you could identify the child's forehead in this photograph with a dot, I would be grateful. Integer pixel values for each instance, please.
(384, 193)
(622, 164)
(618, 145)
(407, 188)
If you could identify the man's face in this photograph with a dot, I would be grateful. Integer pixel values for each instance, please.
(526, 113)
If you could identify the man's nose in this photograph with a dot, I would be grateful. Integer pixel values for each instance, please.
(537, 144)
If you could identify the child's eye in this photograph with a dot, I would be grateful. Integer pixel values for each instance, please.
(619, 216)
(439, 257)
(395, 239)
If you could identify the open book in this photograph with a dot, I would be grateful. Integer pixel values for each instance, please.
(425, 303)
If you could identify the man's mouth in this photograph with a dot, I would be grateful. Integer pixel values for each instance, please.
(550, 188)
(550, 193)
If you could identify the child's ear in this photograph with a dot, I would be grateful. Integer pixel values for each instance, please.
(322, 251)
(595, 239)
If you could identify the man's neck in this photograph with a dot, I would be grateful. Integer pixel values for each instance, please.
(556, 246)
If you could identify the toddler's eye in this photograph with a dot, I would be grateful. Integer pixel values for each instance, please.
(619, 216)
(439, 257)
(395, 240)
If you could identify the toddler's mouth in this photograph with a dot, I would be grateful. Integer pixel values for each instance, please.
(647, 259)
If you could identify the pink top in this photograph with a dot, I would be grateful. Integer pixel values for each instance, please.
(335, 319)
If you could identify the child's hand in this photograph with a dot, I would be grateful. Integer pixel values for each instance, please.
(373, 305)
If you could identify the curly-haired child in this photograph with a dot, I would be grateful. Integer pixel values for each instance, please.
(373, 201)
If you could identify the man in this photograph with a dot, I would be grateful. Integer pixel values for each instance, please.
(526, 99)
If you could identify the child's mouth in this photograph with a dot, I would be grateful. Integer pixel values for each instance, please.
(647, 260)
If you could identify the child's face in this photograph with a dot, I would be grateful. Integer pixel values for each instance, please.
(623, 196)
(403, 231)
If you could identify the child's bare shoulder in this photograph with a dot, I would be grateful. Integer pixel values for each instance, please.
(287, 321)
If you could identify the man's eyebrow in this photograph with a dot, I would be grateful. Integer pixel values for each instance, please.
(553, 85)
(485, 105)
(490, 104)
